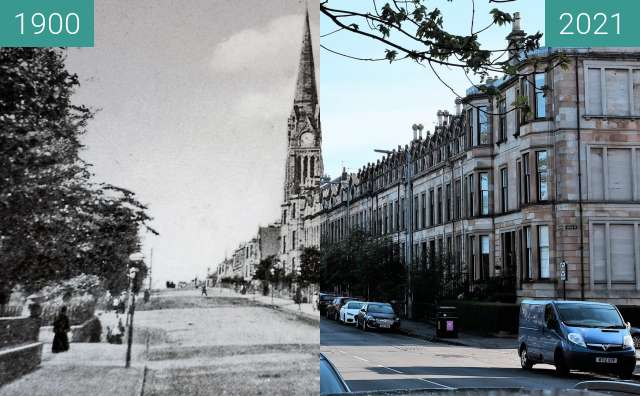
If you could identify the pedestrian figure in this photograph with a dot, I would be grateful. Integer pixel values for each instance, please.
(60, 328)
(314, 301)
(115, 331)
(204, 290)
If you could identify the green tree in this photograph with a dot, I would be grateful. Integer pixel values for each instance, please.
(309, 266)
(365, 266)
(54, 222)
(414, 30)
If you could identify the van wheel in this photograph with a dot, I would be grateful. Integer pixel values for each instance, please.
(524, 359)
(562, 370)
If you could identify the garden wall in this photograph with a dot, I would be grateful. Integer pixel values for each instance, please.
(20, 353)
(89, 331)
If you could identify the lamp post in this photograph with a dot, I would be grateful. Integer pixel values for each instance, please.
(271, 274)
(134, 258)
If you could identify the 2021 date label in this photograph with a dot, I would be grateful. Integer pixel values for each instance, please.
(46, 23)
(592, 23)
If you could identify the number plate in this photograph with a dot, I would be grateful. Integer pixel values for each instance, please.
(606, 360)
(385, 325)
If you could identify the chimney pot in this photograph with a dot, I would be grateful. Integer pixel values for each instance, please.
(516, 22)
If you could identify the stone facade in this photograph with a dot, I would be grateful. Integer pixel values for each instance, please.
(510, 194)
(304, 167)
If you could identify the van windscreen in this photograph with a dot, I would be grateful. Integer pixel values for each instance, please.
(580, 315)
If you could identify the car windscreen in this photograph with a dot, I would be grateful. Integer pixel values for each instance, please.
(327, 298)
(355, 305)
(579, 315)
(380, 309)
(329, 380)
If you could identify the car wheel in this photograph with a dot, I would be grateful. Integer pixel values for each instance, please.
(636, 341)
(562, 370)
(524, 359)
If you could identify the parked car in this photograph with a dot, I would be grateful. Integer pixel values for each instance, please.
(333, 309)
(349, 311)
(578, 335)
(375, 315)
(324, 300)
(330, 379)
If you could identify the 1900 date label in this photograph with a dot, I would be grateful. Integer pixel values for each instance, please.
(46, 23)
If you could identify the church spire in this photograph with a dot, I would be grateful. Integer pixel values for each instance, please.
(306, 91)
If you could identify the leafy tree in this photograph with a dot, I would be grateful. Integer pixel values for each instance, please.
(414, 30)
(55, 223)
(366, 266)
(309, 266)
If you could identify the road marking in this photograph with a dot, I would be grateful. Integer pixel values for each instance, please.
(419, 379)
(389, 368)
(359, 358)
(434, 383)
(342, 352)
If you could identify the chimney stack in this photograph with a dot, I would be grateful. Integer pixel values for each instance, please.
(458, 106)
(516, 22)
(514, 38)
(440, 114)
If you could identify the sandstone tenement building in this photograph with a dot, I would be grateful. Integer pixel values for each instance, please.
(510, 195)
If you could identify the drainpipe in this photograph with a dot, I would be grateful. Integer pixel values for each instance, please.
(580, 210)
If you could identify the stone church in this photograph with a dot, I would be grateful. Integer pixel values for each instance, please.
(304, 167)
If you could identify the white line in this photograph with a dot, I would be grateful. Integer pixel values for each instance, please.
(434, 383)
(342, 352)
(359, 358)
(389, 368)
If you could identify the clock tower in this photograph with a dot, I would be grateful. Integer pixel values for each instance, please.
(304, 167)
(304, 160)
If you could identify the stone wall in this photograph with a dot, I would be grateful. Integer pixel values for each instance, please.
(89, 331)
(16, 331)
(20, 352)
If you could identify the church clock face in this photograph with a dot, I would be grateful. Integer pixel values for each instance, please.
(306, 140)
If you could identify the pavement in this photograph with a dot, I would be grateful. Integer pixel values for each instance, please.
(187, 344)
(74, 373)
(427, 331)
(383, 361)
(304, 311)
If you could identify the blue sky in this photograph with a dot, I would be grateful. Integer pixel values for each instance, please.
(369, 105)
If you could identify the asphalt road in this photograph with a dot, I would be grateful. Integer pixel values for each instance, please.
(382, 361)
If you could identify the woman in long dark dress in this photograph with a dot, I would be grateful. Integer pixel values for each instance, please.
(60, 328)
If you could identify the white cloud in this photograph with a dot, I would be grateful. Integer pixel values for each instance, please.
(270, 50)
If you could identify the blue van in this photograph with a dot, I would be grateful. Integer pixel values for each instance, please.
(575, 335)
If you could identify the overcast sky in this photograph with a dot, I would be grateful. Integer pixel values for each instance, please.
(369, 105)
(194, 98)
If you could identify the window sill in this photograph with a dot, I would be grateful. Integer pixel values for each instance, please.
(499, 142)
(606, 117)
